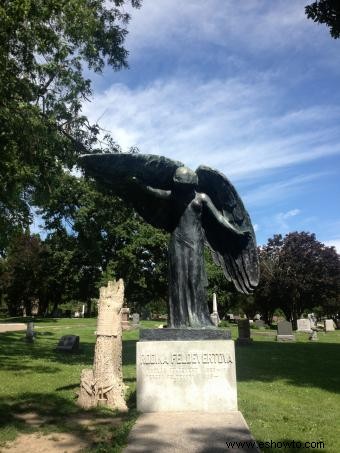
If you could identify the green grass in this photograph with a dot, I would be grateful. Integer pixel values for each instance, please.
(291, 391)
(285, 391)
(34, 378)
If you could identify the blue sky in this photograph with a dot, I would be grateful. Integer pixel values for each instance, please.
(248, 87)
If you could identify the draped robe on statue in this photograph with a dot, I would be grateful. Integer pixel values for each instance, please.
(187, 276)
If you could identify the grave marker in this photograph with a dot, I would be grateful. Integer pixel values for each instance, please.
(69, 343)
(285, 331)
(260, 323)
(135, 319)
(243, 332)
(304, 325)
(329, 325)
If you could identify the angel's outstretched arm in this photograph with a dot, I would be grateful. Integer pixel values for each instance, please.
(158, 193)
(220, 218)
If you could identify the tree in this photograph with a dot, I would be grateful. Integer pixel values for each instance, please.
(45, 45)
(106, 238)
(326, 12)
(24, 273)
(299, 273)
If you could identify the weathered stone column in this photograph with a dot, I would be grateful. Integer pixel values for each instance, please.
(104, 384)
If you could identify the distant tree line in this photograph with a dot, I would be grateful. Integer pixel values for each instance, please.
(298, 273)
(91, 237)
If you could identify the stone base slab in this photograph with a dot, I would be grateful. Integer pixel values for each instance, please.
(285, 337)
(190, 432)
(184, 376)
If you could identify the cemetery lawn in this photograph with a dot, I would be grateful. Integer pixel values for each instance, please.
(286, 391)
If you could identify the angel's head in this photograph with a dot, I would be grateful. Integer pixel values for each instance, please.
(184, 177)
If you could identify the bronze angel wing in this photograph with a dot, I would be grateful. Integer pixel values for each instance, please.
(116, 172)
(237, 257)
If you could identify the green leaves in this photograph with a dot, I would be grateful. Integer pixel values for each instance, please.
(298, 273)
(326, 12)
(45, 46)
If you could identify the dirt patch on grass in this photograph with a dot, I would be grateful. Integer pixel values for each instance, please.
(82, 431)
(32, 419)
(51, 443)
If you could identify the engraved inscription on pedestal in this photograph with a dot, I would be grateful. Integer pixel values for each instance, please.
(186, 376)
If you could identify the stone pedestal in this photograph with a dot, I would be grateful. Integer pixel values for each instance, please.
(285, 338)
(186, 375)
(215, 319)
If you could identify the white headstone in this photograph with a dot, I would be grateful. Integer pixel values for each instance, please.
(83, 311)
(304, 325)
(329, 325)
(186, 376)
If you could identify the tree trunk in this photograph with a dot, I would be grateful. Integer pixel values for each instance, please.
(103, 385)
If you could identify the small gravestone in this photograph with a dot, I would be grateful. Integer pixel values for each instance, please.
(285, 331)
(135, 319)
(329, 325)
(69, 343)
(125, 318)
(30, 332)
(244, 332)
(259, 323)
(304, 325)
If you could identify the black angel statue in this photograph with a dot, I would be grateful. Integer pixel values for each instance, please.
(196, 208)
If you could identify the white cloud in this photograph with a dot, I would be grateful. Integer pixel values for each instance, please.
(264, 194)
(256, 24)
(282, 219)
(229, 124)
(287, 215)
